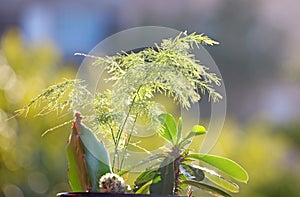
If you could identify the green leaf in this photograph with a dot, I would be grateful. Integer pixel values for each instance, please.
(143, 182)
(184, 142)
(96, 156)
(145, 177)
(196, 130)
(163, 181)
(144, 189)
(179, 130)
(222, 182)
(192, 172)
(88, 158)
(225, 165)
(210, 189)
(77, 170)
(215, 178)
(169, 130)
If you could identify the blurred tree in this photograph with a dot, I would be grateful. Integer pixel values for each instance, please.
(29, 164)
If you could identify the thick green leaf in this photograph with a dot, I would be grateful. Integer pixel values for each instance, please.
(142, 182)
(196, 130)
(222, 182)
(77, 170)
(192, 172)
(210, 189)
(214, 177)
(88, 158)
(169, 130)
(144, 189)
(225, 165)
(145, 177)
(94, 145)
(96, 156)
(163, 181)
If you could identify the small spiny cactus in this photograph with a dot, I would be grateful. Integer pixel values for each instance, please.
(111, 183)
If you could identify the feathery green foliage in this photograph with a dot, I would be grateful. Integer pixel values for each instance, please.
(168, 68)
(67, 95)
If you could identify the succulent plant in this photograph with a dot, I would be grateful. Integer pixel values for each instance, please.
(112, 183)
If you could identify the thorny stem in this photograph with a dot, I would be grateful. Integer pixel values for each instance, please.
(179, 158)
(177, 175)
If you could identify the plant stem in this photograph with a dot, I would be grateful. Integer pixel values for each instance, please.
(178, 158)
(177, 175)
(112, 133)
(127, 143)
(120, 131)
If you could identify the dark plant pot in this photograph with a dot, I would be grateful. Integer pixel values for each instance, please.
(97, 194)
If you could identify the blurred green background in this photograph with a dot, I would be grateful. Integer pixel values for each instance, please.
(258, 58)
